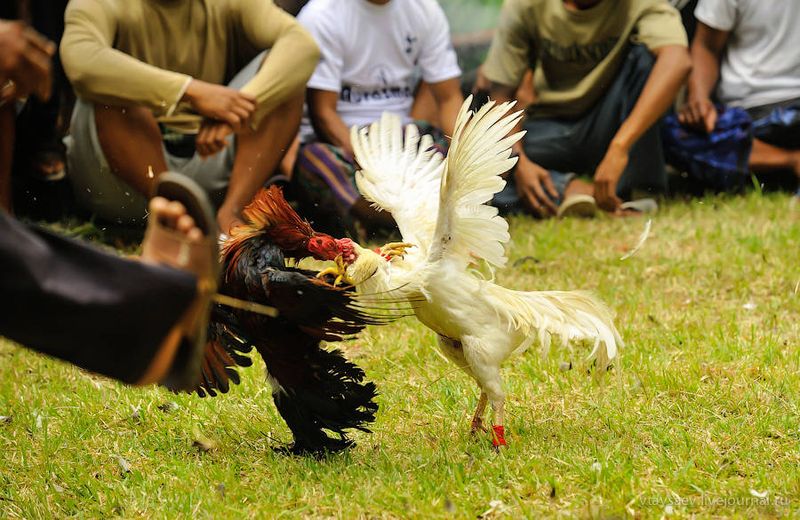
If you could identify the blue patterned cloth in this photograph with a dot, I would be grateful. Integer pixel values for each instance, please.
(719, 160)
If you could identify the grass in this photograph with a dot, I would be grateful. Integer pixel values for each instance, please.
(701, 408)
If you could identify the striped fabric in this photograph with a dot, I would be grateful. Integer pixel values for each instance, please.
(323, 170)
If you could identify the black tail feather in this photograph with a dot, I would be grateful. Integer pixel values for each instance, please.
(330, 399)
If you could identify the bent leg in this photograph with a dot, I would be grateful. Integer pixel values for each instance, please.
(258, 155)
(99, 176)
(323, 183)
(131, 142)
(766, 157)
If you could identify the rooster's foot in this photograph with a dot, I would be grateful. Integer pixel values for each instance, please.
(340, 272)
(477, 426)
(394, 249)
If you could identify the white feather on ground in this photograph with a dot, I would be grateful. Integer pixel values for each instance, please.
(639, 243)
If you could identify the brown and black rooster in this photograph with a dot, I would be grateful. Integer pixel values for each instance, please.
(316, 391)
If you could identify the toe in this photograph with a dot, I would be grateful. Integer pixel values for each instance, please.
(158, 205)
(185, 224)
(169, 213)
(194, 235)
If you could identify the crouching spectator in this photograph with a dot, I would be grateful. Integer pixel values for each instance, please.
(150, 73)
(745, 56)
(604, 74)
(372, 54)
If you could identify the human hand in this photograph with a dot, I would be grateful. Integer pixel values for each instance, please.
(25, 60)
(212, 137)
(699, 113)
(220, 103)
(607, 175)
(535, 187)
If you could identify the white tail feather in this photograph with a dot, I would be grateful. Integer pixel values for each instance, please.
(566, 315)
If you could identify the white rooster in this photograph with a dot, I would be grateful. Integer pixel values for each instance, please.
(440, 207)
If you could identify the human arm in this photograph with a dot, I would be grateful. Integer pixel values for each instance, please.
(448, 101)
(707, 46)
(100, 73)
(292, 57)
(327, 124)
(671, 67)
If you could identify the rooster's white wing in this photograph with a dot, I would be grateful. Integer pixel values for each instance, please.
(467, 228)
(401, 176)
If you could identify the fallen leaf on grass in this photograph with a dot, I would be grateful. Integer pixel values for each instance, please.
(204, 444)
(495, 508)
(124, 465)
(169, 406)
(759, 494)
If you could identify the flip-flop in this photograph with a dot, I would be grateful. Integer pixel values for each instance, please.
(200, 258)
(582, 206)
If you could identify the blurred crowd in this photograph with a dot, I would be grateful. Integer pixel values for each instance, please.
(626, 100)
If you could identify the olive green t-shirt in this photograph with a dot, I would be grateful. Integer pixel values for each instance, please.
(575, 54)
(145, 52)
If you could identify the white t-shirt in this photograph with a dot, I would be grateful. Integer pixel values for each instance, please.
(761, 62)
(373, 55)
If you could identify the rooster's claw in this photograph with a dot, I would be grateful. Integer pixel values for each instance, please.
(394, 249)
(340, 272)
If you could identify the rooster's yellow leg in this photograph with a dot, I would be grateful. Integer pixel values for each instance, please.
(477, 419)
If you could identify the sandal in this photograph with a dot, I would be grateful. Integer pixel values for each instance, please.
(49, 165)
(168, 246)
(580, 206)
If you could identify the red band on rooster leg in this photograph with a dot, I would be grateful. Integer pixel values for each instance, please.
(498, 436)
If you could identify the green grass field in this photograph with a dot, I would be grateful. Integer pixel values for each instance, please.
(698, 417)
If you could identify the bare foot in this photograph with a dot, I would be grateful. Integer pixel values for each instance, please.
(172, 216)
